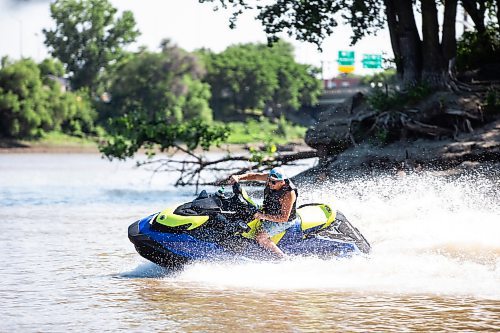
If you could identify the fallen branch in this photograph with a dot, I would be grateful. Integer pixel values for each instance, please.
(195, 168)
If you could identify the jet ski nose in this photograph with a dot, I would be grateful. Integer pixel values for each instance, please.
(133, 231)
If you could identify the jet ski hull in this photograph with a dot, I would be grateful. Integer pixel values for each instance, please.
(174, 250)
(151, 249)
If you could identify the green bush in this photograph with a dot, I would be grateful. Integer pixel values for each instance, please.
(475, 49)
(33, 101)
(493, 101)
(23, 100)
(387, 76)
(264, 131)
(381, 100)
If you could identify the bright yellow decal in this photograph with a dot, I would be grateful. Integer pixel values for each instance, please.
(169, 219)
(313, 216)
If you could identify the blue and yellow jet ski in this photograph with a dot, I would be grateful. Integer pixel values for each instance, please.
(220, 226)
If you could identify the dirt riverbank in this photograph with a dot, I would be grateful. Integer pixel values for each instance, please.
(469, 152)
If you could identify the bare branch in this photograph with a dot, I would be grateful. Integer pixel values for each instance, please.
(191, 170)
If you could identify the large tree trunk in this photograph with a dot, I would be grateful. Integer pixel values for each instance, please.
(409, 42)
(498, 13)
(433, 69)
(476, 14)
(392, 23)
(449, 41)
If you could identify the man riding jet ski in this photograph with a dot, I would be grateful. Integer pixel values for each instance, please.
(221, 226)
(279, 210)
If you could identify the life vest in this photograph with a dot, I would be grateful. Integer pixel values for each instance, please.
(272, 200)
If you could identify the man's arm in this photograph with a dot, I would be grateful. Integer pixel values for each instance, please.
(248, 177)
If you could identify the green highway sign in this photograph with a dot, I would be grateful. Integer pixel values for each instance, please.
(346, 58)
(372, 61)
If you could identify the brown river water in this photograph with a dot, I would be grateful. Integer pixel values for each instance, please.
(67, 264)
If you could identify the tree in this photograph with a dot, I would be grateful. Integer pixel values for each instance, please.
(23, 109)
(158, 100)
(418, 59)
(478, 49)
(163, 86)
(33, 101)
(88, 37)
(253, 77)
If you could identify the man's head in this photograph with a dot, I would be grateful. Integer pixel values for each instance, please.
(276, 178)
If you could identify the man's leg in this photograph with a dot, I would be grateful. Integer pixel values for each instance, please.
(263, 239)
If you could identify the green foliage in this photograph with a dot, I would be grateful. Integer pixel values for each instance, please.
(56, 138)
(313, 20)
(382, 135)
(33, 101)
(162, 87)
(491, 97)
(131, 132)
(416, 93)
(88, 37)
(382, 100)
(258, 155)
(250, 77)
(23, 105)
(387, 76)
(158, 101)
(195, 103)
(493, 100)
(475, 49)
(50, 67)
(72, 112)
(264, 130)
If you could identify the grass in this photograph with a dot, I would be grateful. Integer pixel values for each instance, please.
(51, 140)
(254, 131)
(61, 139)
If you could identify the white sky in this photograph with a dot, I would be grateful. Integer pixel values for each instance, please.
(188, 23)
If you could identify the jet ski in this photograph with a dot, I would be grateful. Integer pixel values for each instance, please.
(220, 226)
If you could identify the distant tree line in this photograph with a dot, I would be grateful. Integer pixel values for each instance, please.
(94, 85)
(254, 77)
(145, 97)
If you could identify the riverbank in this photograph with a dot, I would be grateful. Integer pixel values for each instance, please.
(243, 136)
(443, 132)
(468, 152)
(90, 147)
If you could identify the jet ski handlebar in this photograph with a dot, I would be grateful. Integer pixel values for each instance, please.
(236, 188)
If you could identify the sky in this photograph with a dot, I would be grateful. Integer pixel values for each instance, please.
(187, 23)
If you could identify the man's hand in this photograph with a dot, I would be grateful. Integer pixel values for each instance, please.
(258, 215)
(234, 179)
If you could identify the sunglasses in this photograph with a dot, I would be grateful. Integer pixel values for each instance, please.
(274, 182)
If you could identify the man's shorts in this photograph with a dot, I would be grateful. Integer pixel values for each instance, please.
(274, 228)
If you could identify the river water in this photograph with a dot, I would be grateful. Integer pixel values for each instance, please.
(67, 264)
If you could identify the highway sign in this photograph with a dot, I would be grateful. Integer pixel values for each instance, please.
(346, 58)
(372, 61)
